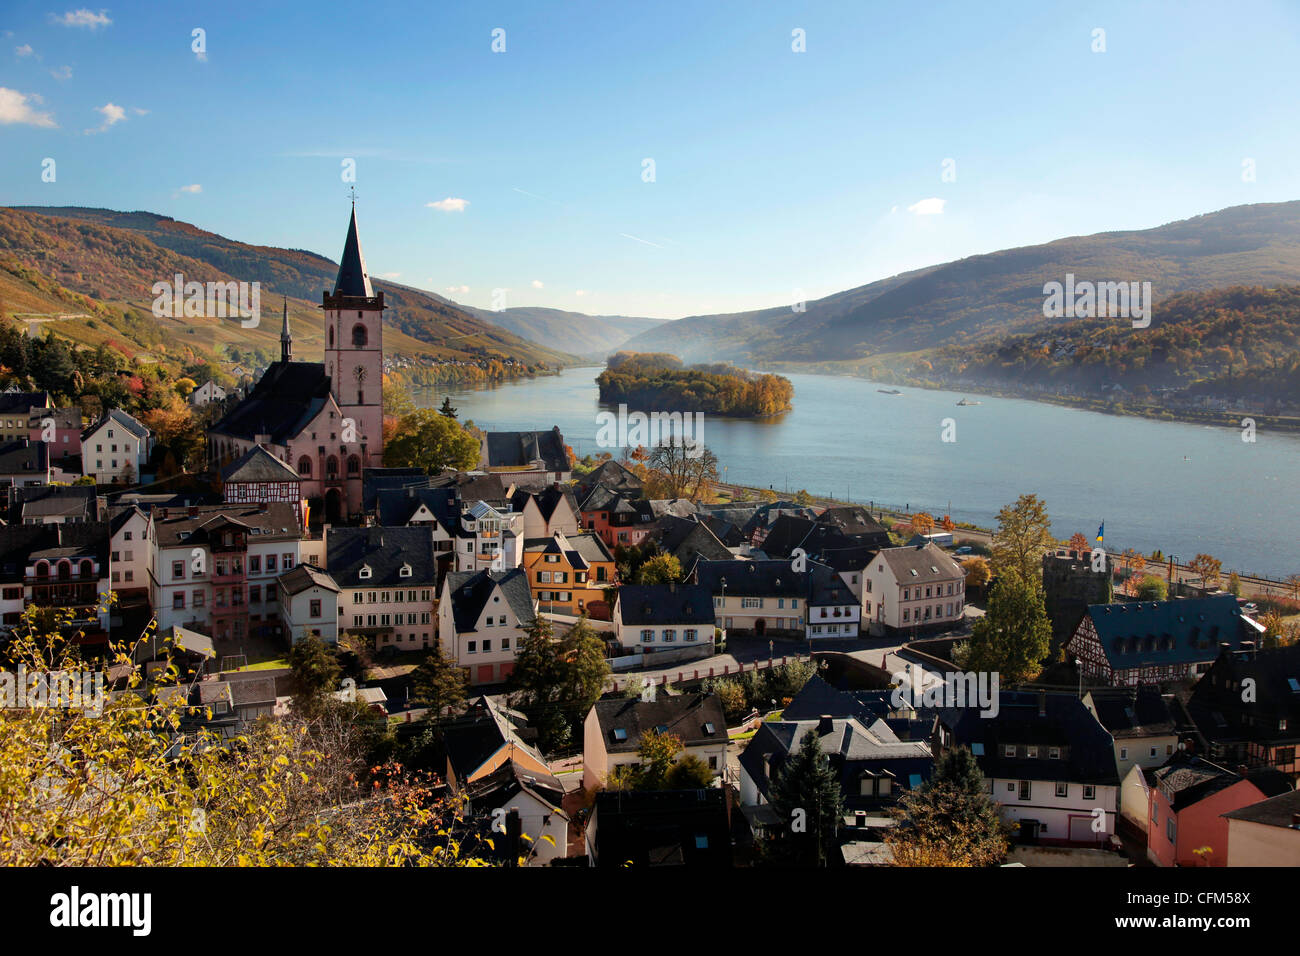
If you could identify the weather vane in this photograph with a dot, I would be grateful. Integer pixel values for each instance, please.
(352, 191)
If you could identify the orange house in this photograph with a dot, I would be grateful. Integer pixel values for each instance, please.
(568, 572)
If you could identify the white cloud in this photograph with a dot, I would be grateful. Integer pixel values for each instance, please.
(112, 113)
(537, 284)
(16, 107)
(139, 112)
(62, 73)
(449, 204)
(581, 292)
(927, 207)
(82, 18)
(192, 188)
(24, 50)
(461, 289)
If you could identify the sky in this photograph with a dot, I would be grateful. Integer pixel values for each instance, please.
(659, 159)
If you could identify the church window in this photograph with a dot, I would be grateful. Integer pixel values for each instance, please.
(358, 336)
(304, 466)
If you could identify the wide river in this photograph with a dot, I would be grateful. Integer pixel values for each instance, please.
(1178, 487)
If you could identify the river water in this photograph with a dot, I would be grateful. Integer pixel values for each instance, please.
(1179, 487)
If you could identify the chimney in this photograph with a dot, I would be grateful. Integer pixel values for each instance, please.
(1042, 703)
(825, 724)
(193, 511)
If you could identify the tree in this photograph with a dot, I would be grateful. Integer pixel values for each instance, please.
(1234, 584)
(682, 471)
(1293, 580)
(1206, 568)
(801, 497)
(1152, 588)
(922, 522)
(1273, 629)
(1014, 636)
(315, 673)
(438, 683)
(396, 398)
(978, 572)
(806, 797)
(446, 408)
(949, 820)
(434, 442)
(556, 682)
(656, 754)
(689, 773)
(731, 695)
(660, 569)
(1023, 535)
(1079, 543)
(947, 524)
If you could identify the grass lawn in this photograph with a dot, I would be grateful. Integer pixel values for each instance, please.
(277, 664)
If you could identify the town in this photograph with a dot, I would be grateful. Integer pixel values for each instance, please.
(620, 660)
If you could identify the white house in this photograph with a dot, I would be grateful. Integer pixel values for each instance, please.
(116, 448)
(913, 589)
(309, 604)
(482, 618)
(489, 538)
(611, 732)
(130, 548)
(206, 393)
(388, 578)
(663, 617)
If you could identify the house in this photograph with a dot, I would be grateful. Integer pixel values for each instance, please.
(483, 616)
(1140, 721)
(60, 428)
(547, 511)
(130, 553)
(24, 464)
(1153, 642)
(309, 604)
(612, 732)
(207, 393)
(55, 504)
(1046, 761)
(874, 766)
(116, 449)
(913, 590)
(615, 476)
(489, 538)
(1260, 728)
(252, 698)
(192, 653)
(664, 617)
(1189, 797)
(537, 453)
(620, 520)
(689, 540)
(388, 584)
(213, 568)
(256, 476)
(16, 411)
(758, 597)
(567, 573)
(60, 566)
(484, 739)
(833, 608)
(1266, 833)
(323, 420)
(535, 797)
(659, 828)
(414, 504)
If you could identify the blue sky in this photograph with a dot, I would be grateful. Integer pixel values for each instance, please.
(775, 171)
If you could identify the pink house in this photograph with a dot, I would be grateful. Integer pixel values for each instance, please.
(1189, 796)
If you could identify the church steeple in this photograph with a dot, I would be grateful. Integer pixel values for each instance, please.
(353, 279)
(286, 337)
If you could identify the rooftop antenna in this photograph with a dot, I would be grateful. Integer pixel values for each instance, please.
(352, 194)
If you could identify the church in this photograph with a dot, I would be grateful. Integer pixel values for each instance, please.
(323, 420)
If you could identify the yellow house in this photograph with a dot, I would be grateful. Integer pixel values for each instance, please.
(567, 572)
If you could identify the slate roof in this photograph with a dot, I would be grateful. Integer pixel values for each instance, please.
(1276, 811)
(254, 690)
(24, 457)
(1185, 779)
(928, 561)
(396, 506)
(20, 544)
(613, 475)
(548, 499)
(1221, 715)
(1087, 750)
(751, 578)
(48, 501)
(580, 550)
(659, 605)
(856, 521)
(352, 279)
(282, 403)
(176, 526)
(118, 417)
(661, 828)
(854, 747)
(303, 577)
(687, 717)
(257, 464)
(385, 551)
(689, 541)
(520, 449)
(818, 698)
(1133, 712)
(475, 486)
(472, 738)
(1181, 631)
(24, 402)
(469, 592)
(67, 417)
(786, 533)
(509, 779)
(373, 480)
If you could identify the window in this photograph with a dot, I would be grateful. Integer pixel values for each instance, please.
(1025, 788)
(358, 336)
(689, 634)
(178, 570)
(670, 635)
(751, 602)
(1054, 753)
(471, 647)
(196, 599)
(315, 607)
(178, 601)
(270, 562)
(487, 646)
(1062, 789)
(1089, 792)
(1009, 750)
(304, 467)
(648, 635)
(1123, 753)
(1031, 752)
(254, 594)
(254, 564)
(1171, 830)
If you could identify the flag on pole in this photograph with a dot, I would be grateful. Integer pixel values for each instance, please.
(1101, 531)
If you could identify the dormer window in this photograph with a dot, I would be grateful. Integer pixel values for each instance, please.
(405, 572)
(365, 572)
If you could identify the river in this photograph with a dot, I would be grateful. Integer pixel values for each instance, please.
(1179, 487)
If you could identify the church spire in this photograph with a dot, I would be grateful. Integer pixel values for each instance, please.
(286, 337)
(352, 278)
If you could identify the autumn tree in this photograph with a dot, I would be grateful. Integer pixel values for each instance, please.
(947, 524)
(682, 470)
(922, 522)
(1206, 568)
(1013, 637)
(950, 820)
(660, 569)
(1079, 543)
(1023, 536)
(661, 766)
(425, 439)
(978, 572)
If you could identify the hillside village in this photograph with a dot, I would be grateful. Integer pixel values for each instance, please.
(761, 682)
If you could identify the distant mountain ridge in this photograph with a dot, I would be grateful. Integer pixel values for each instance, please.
(591, 336)
(990, 296)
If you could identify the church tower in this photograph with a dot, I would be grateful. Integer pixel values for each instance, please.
(354, 355)
(286, 337)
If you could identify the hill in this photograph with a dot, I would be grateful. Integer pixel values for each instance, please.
(73, 260)
(591, 336)
(987, 297)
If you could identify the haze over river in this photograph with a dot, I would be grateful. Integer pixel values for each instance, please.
(1179, 487)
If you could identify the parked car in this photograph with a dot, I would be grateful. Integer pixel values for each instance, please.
(964, 549)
